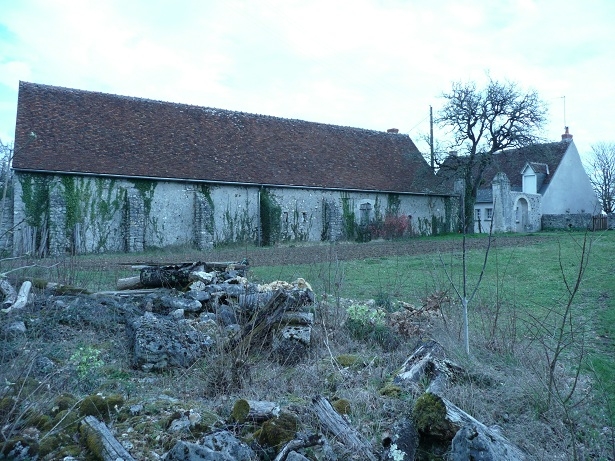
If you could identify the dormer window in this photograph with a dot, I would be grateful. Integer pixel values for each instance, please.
(529, 182)
(533, 176)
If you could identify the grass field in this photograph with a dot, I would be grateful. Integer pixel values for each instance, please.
(528, 280)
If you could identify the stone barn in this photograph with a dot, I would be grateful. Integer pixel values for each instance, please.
(96, 172)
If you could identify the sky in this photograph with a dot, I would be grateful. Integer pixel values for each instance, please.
(373, 64)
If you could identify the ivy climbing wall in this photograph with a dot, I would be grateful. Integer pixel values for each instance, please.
(76, 214)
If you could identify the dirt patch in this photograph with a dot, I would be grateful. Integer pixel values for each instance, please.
(321, 252)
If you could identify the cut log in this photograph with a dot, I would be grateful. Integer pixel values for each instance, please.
(101, 442)
(254, 410)
(205, 266)
(22, 296)
(129, 283)
(333, 423)
(21, 299)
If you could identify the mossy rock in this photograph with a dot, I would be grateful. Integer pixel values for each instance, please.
(19, 445)
(6, 405)
(92, 441)
(99, 406)
(39, 420)
(64, 402)
(276, 432)
(67, 420)
(391, 390)
(429, 416)
(342, 406)
(59, 443)
(240, 411)
(348, 360)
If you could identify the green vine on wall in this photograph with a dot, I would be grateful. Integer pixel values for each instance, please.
(205, 191)
(271, 214)
(393, 205)
(104, 209)
(146, 190)
(238, 224)
(35, 197)
(300, 227)
(348, 217)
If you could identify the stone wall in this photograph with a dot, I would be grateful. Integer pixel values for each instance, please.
(76, 214)
(567, 221)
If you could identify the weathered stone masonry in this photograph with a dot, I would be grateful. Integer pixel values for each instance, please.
(126, 215)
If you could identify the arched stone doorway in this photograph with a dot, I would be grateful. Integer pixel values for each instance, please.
(521, 215)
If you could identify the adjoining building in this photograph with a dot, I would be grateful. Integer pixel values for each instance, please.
(532, 188)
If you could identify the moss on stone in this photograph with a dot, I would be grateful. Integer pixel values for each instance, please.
(6, 405)
(342, 406)
(240, 411)
(429, 416)
(347, 360)
(99, 406)
(64, 402)
(66, 420)
(62, 442)
(391, 390)
(276, 432)
(92, 441)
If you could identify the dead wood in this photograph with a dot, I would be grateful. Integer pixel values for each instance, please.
(333, 423)
(109, 449)
(129, 283)
(295, 444)
(427, 364)
(254, 410)
(493, 442)
(167, 276)
(257, 329)
(22, 296)
(19, 299)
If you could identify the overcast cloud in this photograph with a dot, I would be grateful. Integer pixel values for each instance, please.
(373, 64)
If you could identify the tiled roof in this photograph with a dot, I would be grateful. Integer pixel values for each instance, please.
(539, 168)
(541, 157)
(104, 134)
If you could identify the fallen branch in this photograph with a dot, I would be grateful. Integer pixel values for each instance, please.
(333, 422)
(309, 441)
(101, 442)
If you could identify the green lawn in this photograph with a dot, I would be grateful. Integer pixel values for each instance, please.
(532, 279)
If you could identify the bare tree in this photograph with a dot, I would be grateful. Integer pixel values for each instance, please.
(601, 172)
(483, 121)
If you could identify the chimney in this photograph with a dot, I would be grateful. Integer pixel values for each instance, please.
(393, 130)
(567, 136)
